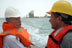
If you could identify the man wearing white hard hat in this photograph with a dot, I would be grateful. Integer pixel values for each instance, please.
(14, 35)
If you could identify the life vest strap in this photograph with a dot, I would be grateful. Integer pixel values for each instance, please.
(53, 39)
(45, 46)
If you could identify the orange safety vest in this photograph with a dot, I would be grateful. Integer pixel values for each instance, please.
(9, 29)
(56, 36)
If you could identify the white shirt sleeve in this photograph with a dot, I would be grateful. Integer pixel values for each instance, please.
(11, 41)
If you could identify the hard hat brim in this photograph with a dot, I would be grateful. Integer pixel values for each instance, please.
(48, 12)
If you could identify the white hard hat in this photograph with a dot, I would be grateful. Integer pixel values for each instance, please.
(12, 12)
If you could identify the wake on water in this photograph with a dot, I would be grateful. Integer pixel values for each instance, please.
(37, 39)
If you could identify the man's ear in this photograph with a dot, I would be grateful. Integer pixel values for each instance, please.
(59, 18)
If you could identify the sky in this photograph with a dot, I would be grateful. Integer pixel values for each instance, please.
(40, 7)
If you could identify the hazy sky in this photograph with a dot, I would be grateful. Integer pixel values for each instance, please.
(40, 7)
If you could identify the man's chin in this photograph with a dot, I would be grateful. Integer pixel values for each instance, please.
(53, 28)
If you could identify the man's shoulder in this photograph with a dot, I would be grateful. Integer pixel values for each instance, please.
(68, 35)
(67, 40)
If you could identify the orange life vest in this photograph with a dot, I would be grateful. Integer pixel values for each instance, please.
(56, 36)
(9, 29)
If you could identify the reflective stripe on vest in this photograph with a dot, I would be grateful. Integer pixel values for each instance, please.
(58, 31)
